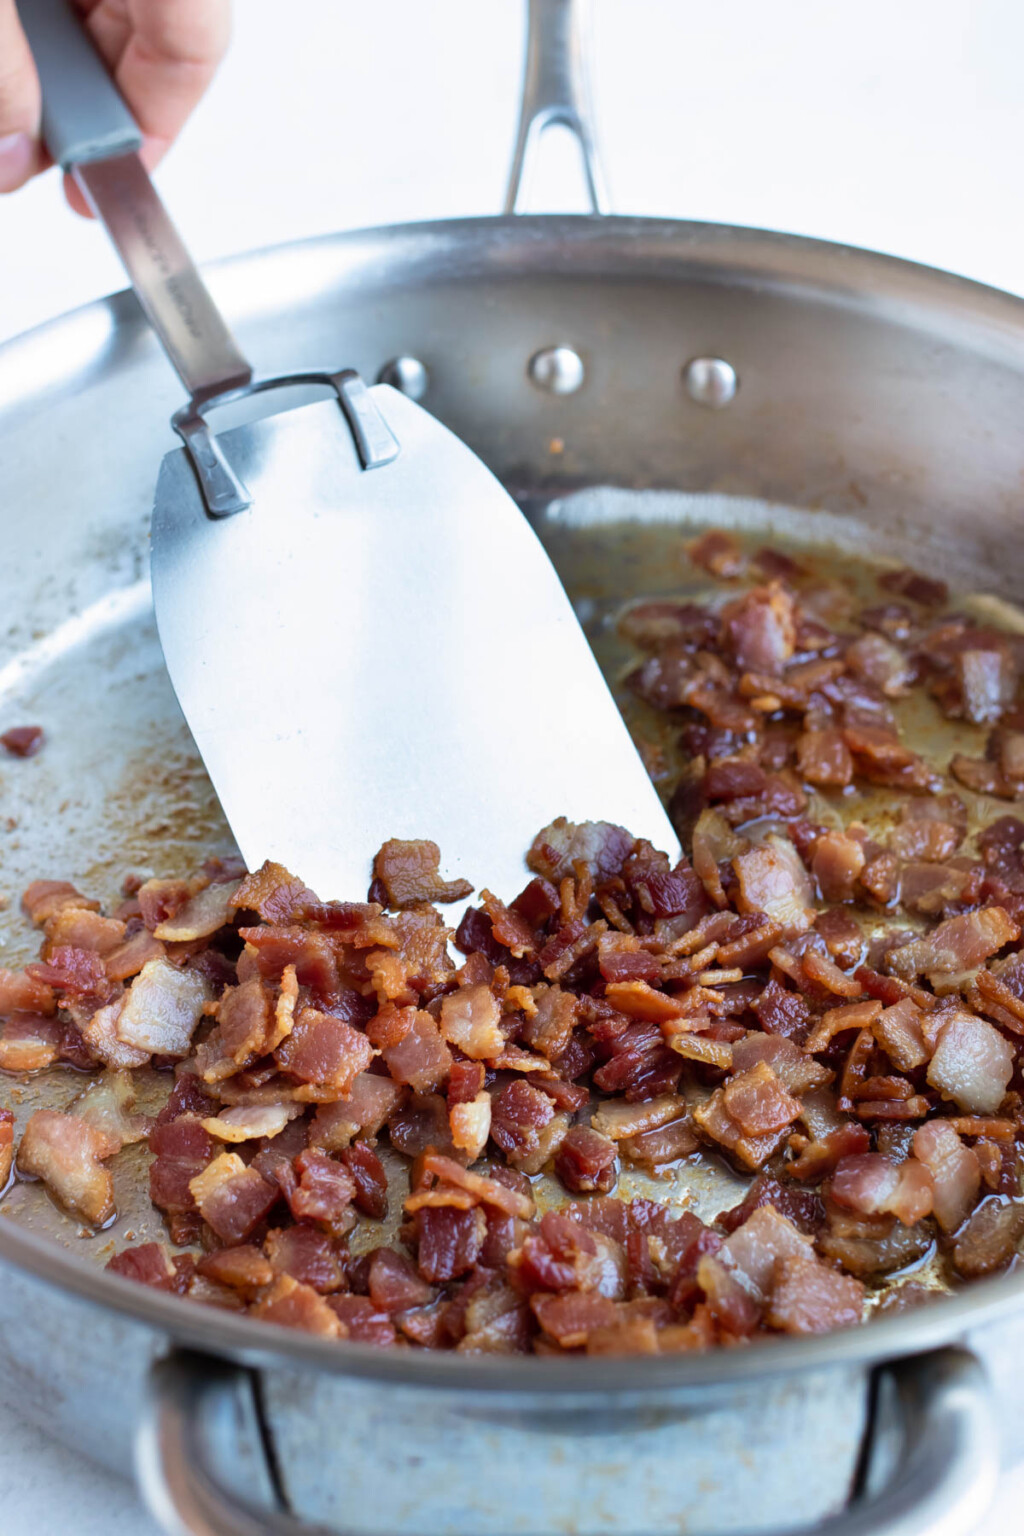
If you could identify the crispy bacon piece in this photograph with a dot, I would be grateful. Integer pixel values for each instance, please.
(972, 1063)
(45, 898)
(371, 1181)
(292, 1305)
(871, 1185)
(232, 1198)
(309, 1255)
(28, 1042)
(718, 553)
(990, 1238)
(899, 1030)
(586, 1161)
(717, 1124)
(808, 1297)
(822, 757)
(371, 1101)
(449, 1241)
(108, 1103)
(243, 1268)
(470, 1123)
(773, 880)
(408, 872)
(363, 1321)
(410, 1042)
(201, 916)
(249, 1122)
(81, 928)
(501, 1193)
(326, 1053)
(162, 1009)
(738, 1279)
(954, 1169)
(549, 1028)
(759, 628)
(274, 893)
(325, 1190)
(67, 1153)
(559, 847)
(147, 1264)
(419, 1123)
(181, 1149)
(22, 740)
(526, 1126)
(618, 1118)
(6, 1147)
(470, 1020)
(957, 945)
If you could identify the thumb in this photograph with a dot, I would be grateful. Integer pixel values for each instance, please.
(21, 154)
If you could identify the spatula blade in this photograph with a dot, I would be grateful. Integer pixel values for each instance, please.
(385, 653)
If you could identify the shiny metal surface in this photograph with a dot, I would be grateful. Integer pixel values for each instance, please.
(407, 375)
(710, 381)
(930, 1462)
(383, 606)
(559, 370)
(555, 92)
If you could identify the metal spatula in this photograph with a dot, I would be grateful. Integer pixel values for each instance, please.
(365, 635)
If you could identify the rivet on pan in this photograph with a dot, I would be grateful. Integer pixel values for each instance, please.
(710, 381)
(406, 374)
(559, 370)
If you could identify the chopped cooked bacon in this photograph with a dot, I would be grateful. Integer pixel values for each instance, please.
(471, 1124)
(757, 1101)
(274, 893)
(147, 1264)
(292, 1305)
(836, 864)
(28, 1042)
(470, 1020)
(45, 898)
(773, 880)
(181, 1149)
(759, 628)
(795, 1070)
(371, 1101)
(899, 1031)
(408, 871)
(232, 1198)
(954, 1169)
(823, 758)
(325, 1024)
(82, 928)
(586, 1161)
(990, 1238)
(911, 584)
(201, 916)
(324, 1052)
(871, 1185)
(808, 1297)
(6, 1147)
(108, 1103)
(957, 945)
(311, 1256)
(67, 1153)
(972, 1063)
(718, 553)
(162, 1009)
(128, 958)
(410, 1042)
(250, 1122)
(598, 844)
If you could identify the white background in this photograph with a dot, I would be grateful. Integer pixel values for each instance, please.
(893, 125)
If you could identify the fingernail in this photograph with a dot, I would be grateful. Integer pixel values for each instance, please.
(16, 155)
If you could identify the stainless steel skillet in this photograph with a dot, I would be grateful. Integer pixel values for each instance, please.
(879, 408)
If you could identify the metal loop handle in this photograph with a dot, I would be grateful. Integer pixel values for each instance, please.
(942, 1483)
(555, 91)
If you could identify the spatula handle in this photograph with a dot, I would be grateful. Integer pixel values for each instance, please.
(84, 116)
(88, 128)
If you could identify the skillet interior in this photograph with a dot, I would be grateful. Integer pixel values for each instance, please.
(897, 411)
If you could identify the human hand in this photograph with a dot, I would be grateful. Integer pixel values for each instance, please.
(162, 54)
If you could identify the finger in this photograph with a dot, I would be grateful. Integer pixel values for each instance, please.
(21, 154)
(164, 54)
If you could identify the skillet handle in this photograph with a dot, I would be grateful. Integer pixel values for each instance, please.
(555, 92)
(940, 1483)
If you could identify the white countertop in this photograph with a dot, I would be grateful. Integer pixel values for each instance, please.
(894, 126)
